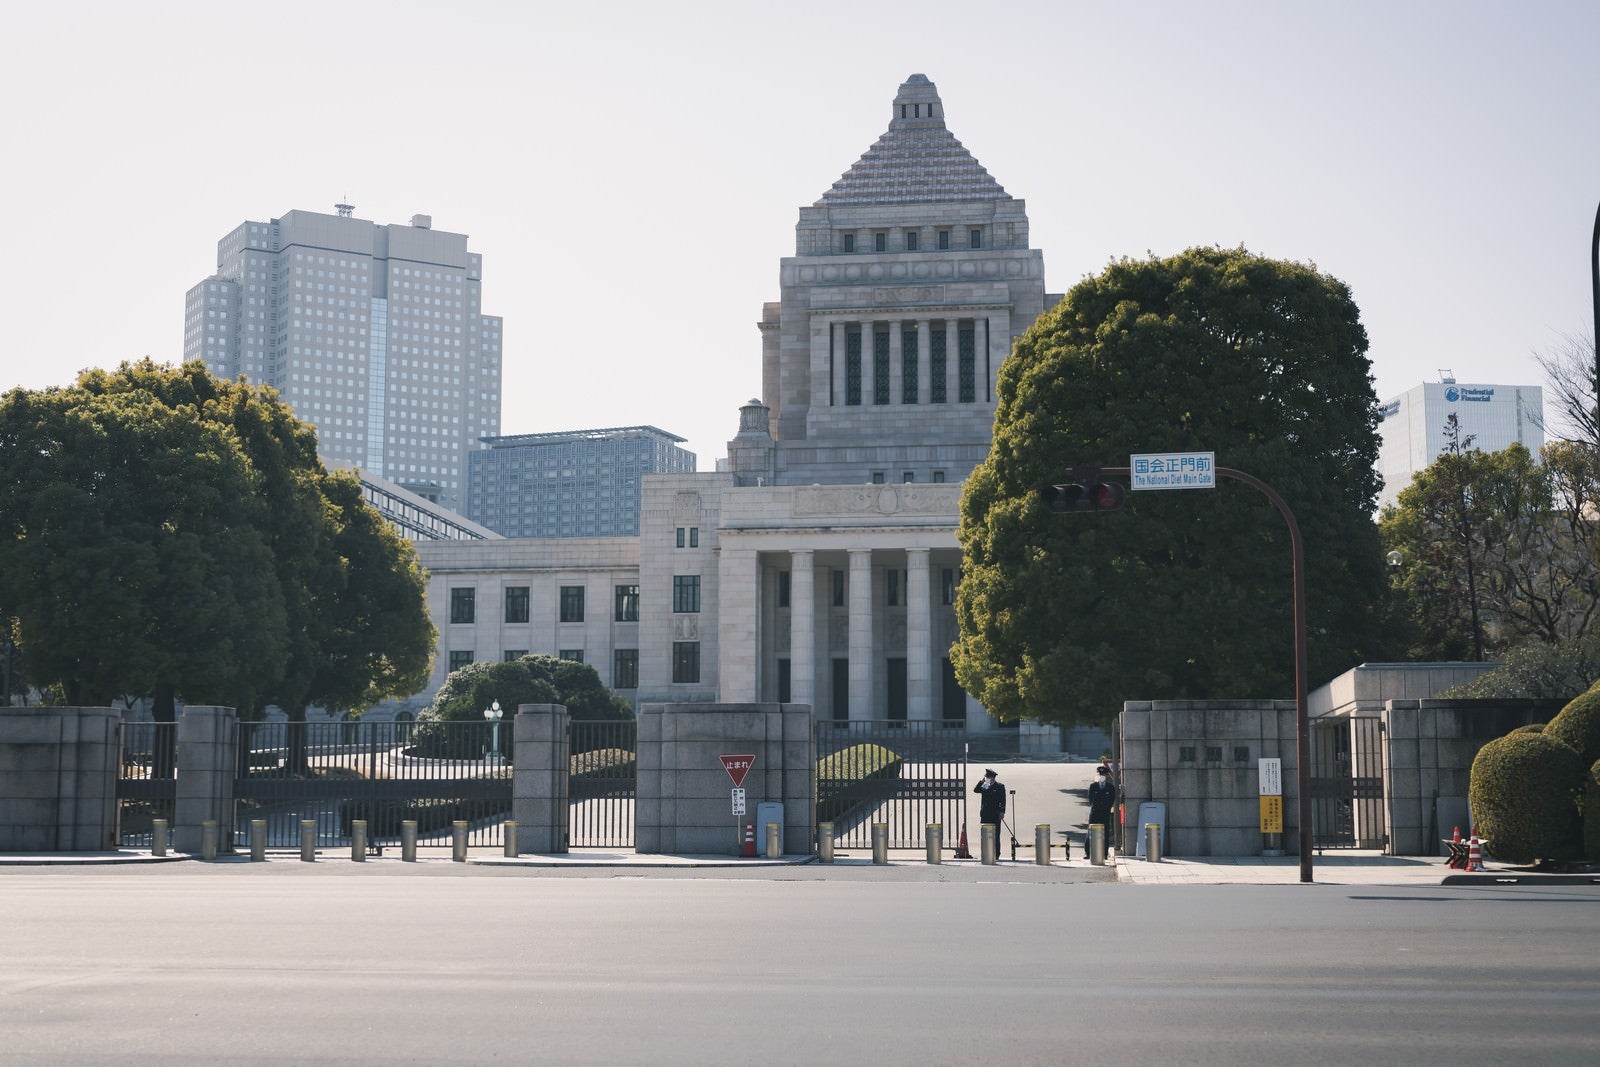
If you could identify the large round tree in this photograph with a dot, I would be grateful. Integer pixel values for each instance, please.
(1181, 594)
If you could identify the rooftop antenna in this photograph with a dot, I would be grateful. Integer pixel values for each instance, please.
(344, 210)
(1447, 377)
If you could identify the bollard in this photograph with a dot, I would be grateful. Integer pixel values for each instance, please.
(825, 842)
(1041, 844)
(1097, 844)
(774, 840)
(935, 842)
(258, 840)
(511, 839)
(989, 849)
(408, 841)
(158, 837)
(458, 841)
(208, 839)
(358, 840)
(880, 843)
(308, 840)
(1152, 842)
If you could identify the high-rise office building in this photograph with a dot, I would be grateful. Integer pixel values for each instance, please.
(1413, 425)
(373, 333)
(581, 483)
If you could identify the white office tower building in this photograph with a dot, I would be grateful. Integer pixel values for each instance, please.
(374, 334)
(1414, 425)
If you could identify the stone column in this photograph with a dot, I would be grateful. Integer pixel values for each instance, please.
(999, 347)
(839, 345)
(802, 628)
(738, 642)
(952, 361)
(980, 359)
(861, 643)
(817, 380)
(207, 764)
(540, 782)
(896, 375)
(924, 359)
(919, 636)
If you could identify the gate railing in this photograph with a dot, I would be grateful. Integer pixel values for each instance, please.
(603, 786)
(147, 785)
(904, 774)
(384, 773)
(1347, 783)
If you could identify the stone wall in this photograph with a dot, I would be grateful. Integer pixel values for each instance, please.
(1199, 757)
(58, 779)
(684, 793)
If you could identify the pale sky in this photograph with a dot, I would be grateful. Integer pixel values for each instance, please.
(632, 172)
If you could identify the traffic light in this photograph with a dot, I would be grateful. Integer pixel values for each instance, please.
(1087, 493)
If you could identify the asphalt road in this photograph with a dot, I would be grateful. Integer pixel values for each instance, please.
(285, 963)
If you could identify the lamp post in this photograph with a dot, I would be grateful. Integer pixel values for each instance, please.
(492, 713)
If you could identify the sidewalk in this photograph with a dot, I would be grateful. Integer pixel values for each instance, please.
(1347, 868)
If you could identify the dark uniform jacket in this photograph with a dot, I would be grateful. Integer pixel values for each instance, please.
(1102, 795)
(993, 805)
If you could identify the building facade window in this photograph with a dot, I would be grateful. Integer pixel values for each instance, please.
(627, 603)
(908, 476)
(947, 585)
(849, 242)
(783, 681)
(460, 659)
(877, 477)
(463, 605)
(944, 240)
(686, 661)
(838, 589)
(880, 366)
(572, 603)
(516, 603)
(891, 588)
(974, 238)
(911, 240)
(783, 589)
(967, 363)
(909, 362)
(937, 347)
(513, 654)
(685, 593)
(938, 477)
(573, 654)
(625, 668)
(852, 366)
(880, 242)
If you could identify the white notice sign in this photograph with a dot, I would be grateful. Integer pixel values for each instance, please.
(1271, 777)
(738, 801)
(1173, 470)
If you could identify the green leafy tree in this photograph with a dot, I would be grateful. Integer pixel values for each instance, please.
(525, 680)
(1181, 594)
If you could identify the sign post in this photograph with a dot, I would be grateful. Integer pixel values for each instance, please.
(1271, 774)
(737, 767)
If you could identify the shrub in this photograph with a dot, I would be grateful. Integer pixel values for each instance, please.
(858, 777)
(1524, 795)
(1531, 728)
(1591, 814)
(1578, 725)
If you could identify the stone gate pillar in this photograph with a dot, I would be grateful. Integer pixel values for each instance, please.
(539, 784)
(58, 779)
(207, 763)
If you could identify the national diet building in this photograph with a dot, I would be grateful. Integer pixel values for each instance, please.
(819, 563)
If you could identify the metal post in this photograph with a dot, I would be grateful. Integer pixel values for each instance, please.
(358, 840)
(158, 837)
(935, 842)
(511, 839)
(1097, 844)
(989, 849)
(408, 841)
(880, 843)
(208, 839)
(458, 841)
(825, 842)
(1152, 842)
(308, 840)
(258, 840)
(1041, 844)
(774, 840)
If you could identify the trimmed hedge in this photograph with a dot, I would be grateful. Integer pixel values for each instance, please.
(1578, 725)
(1591, 814)
(858, 777)
(1523, 791)
(1531, 728)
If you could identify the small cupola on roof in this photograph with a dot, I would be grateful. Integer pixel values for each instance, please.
(917, 160)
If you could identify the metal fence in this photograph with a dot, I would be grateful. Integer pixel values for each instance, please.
(1347, 783)
(147, 786)
(603, 786)
(904, 774)
(384, 773)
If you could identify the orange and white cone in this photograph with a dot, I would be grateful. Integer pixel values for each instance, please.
(961, 849)
(749, 840)
(1474, 853)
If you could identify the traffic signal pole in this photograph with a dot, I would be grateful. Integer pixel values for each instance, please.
(1302, 718)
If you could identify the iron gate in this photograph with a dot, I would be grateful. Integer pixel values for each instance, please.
(147, 784)
(384, 773)
(905, 774)
(1347, 783)
(603, 784)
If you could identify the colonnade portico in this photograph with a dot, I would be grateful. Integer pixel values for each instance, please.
(847, 339)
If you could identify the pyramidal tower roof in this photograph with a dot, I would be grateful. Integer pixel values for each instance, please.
(917, 160)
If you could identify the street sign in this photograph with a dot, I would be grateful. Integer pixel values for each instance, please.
(1173, 470)
(1271, 815)
(738, 801)
(1271, 777)
(738, 766)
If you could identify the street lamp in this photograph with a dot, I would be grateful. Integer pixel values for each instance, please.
(492, 713)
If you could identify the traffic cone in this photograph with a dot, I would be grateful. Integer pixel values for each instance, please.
(1455, 854)
(961, 849)
(749, 840)
(1474, 853)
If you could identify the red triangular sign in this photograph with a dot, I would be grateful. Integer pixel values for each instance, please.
(737, 767)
